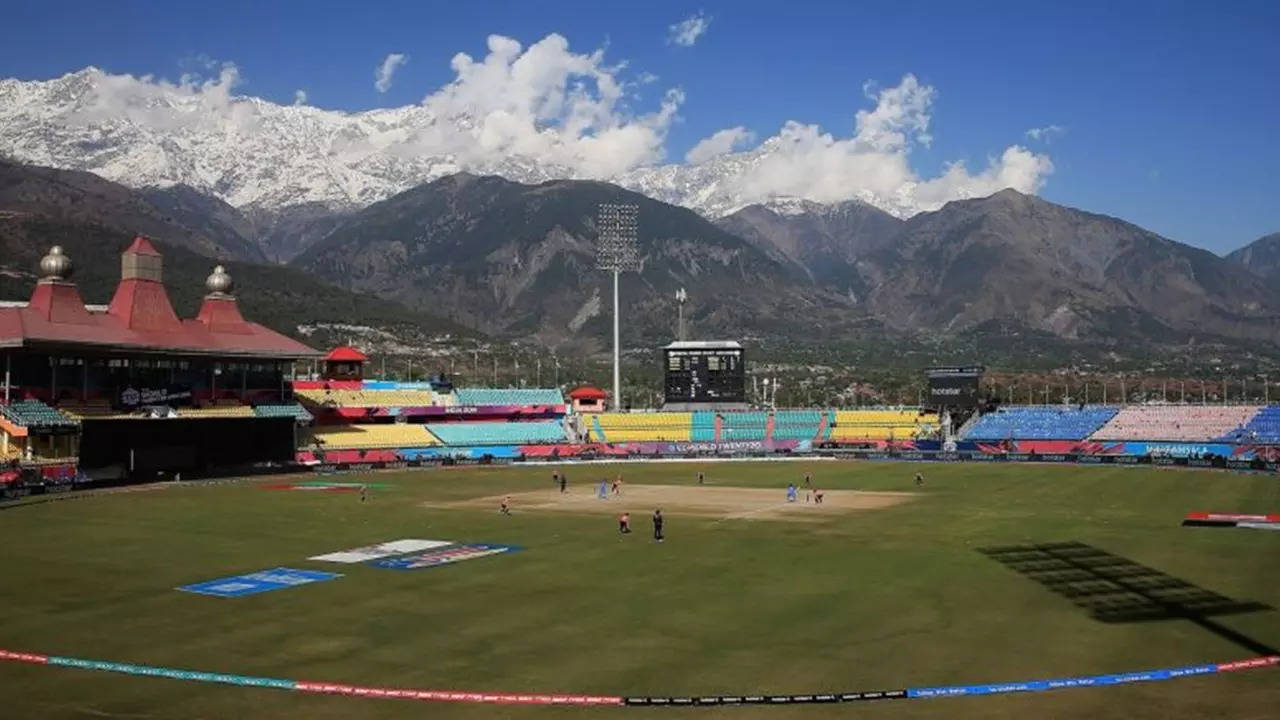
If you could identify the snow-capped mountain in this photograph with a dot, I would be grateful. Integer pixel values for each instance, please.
(244, 150)
(262, 156)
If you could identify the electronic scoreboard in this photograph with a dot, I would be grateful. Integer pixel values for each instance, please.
(704, 372)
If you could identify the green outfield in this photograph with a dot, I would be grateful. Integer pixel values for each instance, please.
(741, 598)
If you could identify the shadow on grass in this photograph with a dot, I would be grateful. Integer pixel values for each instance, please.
(1115, 589)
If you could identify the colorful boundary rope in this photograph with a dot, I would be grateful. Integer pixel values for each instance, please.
(555, 699)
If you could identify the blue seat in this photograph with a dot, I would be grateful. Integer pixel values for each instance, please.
(508, 396)
(1040, 423)
(498, 433)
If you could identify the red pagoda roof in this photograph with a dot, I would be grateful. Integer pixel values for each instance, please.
(140, 318)
(142, 246)
(587, 392)
(346, 353)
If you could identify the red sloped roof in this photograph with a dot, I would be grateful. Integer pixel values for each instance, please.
(345, 353)
(142, 246)
(140, 317)
(587, 392)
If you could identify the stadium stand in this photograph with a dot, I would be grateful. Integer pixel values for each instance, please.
(641, 427)
(859, 425)
(796, 424)
(217, 411)
(738, 426)
(35, 414)
(704, 427)
(1039, 423)
(1179, 423)
(498, 433)
(508, 396)
(393, 435)
(1261, 428)
(368, 398)
(286, 410)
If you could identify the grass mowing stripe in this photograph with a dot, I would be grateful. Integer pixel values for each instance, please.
(668, 701)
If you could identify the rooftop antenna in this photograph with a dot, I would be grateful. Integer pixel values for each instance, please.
(617, 251)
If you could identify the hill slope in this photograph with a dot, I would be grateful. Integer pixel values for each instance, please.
(94, 220)
(520, 259)
(181, 216)
(826, 241)
(1075, 274)
(1261, 257)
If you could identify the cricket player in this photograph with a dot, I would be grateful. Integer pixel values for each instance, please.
(919, 480)
(564, 481)
(364, 493)
(506, 504)
(701, 477)
(817, 496)
(791, 493)
(657, 525)
(624, 523)
(604, 489)
(617, 485)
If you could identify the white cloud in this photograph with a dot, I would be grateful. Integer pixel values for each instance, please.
(873, 164)
(1046, 133)
(203, 101)
(686, 32)
(646, 78)
(528, 113)
(382, 76)
(545, 103)
(719, 143)
(299, 97)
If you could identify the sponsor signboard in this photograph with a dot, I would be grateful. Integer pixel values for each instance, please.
(132, 397)
(258, 582)
(381, 550)
(444, 556)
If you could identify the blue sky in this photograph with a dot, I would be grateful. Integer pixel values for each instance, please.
(1169, 110)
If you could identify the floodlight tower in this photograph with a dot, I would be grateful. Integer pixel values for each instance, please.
(617, 251)
(681, 298)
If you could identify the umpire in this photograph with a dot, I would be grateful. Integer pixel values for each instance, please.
(657, 525)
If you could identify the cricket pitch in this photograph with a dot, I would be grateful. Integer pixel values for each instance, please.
(703, 501)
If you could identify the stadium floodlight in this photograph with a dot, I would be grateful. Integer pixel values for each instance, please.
(617, 251)
(681, 298)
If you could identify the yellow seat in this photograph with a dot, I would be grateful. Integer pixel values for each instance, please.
(640, 427)
(852, 425)
(369, 398)
(358, 437)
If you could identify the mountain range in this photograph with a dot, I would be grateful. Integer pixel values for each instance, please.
(265, 158)
(341, 199)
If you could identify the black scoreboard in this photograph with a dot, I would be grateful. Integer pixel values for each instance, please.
(704, 372)
(954, 386)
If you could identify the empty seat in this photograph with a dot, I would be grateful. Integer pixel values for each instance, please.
(1039, 423)
(508, 396)
(1261, 428)
(498, 433)
(640, 427)
(796, 424)
(856, 425)
(337, 437)
(704, 427)
(293, 410)
(739, 426)
(35, 414)
(1178, 423)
